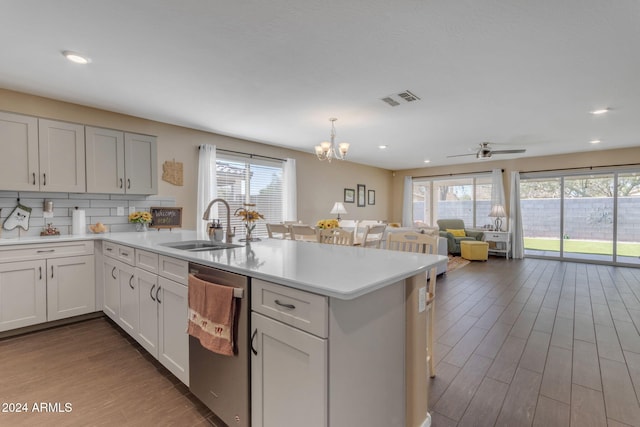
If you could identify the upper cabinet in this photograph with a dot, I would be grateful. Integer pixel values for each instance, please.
(61, 154)
(121, 162)
(41, 155)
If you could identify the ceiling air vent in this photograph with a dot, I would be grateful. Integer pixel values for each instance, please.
(391, 101)
(395, 99)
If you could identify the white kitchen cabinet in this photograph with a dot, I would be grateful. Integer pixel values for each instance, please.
(111, 288)
(61, 154)
(19, 170)
(121, 162)
(45, 282)
(129, 299)
(288, 376)
(23, 294)
(319, 361)
(70, 286)
(173, 343)
(147, 334)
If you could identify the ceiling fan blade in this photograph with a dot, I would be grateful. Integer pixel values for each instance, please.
(462, 155)
(508, 151)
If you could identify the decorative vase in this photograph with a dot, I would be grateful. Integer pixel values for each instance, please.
(142, 226)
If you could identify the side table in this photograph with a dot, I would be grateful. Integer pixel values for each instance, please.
(502, 240)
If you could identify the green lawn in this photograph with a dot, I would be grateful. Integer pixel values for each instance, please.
(582, 246)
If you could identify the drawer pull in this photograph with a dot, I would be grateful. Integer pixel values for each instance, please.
(45, 251)
(289, 306)
(124, 253)
(151, 292)
(130, 280)
(109, 249)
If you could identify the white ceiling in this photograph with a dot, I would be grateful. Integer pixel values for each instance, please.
(524, 73)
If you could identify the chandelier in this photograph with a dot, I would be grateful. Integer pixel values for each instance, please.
(327, 150)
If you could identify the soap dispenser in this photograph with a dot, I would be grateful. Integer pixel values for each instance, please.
(218, 234)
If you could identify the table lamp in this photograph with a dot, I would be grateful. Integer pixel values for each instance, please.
(497, 212)
(338, 208)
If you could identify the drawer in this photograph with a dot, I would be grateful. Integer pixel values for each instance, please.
(303, 310)
(119, 252)
(46, 250)
(174, 269)
(496, 237)
(147, 261)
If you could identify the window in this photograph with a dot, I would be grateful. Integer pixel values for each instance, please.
(251, 180)
(582, 216)
(467, 198)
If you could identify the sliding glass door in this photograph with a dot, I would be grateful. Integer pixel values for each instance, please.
(582, 216)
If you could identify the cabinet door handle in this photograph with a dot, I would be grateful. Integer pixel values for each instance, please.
(34, 178)
(151, 292)
(128, 184)
(158, 295)
(45, 251)
(253, 336)
(52, 271)
(125, 253)
(40, 268)
(289, 306)
(113, 273)
(44, 182)
(130, 280)
(121, 183)
(109, 249)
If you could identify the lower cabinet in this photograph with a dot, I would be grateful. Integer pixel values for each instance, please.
(23, 294)
(38, 284)
(288, 375)
(150, 307)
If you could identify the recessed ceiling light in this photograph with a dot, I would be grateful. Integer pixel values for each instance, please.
(76, 57)
(601, 111)
(427, 161)
(595, 141)
(382, 147)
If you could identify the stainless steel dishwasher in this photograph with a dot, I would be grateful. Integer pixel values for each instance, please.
(222, 382)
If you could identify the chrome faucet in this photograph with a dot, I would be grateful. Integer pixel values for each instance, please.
(207, 212)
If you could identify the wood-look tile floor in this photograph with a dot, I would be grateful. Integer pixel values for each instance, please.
(537, 342)
(108, 379)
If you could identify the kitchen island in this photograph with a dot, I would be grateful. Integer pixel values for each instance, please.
(375, 334)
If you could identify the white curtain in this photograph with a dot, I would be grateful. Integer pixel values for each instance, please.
(407, 202)
(515, 218)
(497, 188)
(207, 185)
(289, 191)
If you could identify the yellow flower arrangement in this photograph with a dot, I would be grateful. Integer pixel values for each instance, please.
(249, 217)
(328, 223)
(140, 217)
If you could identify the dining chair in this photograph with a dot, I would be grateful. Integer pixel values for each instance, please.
(302, 232)
(278, 231)
(411, 241)
(372, 236)
(335, 236)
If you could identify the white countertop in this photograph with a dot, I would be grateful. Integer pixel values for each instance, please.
(342, 272)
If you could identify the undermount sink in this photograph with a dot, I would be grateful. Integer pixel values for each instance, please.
(200, 245)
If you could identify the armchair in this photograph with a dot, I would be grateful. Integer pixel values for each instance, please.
(453, 242)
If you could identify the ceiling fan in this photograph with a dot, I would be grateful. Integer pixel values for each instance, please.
(485, 151)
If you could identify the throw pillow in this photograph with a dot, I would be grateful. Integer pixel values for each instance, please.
(456, 233)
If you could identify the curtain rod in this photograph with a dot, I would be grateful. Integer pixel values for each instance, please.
(583, 168)
(454, 174)
(251, 156)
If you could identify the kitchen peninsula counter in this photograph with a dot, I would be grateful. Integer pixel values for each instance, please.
(343, 272)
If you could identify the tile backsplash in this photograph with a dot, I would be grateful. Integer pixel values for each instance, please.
(98, 208)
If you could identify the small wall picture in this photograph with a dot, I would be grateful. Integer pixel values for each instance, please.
(349, 195)
(371, 197)
(361, 195)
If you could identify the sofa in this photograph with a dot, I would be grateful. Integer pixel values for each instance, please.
(455, 232)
